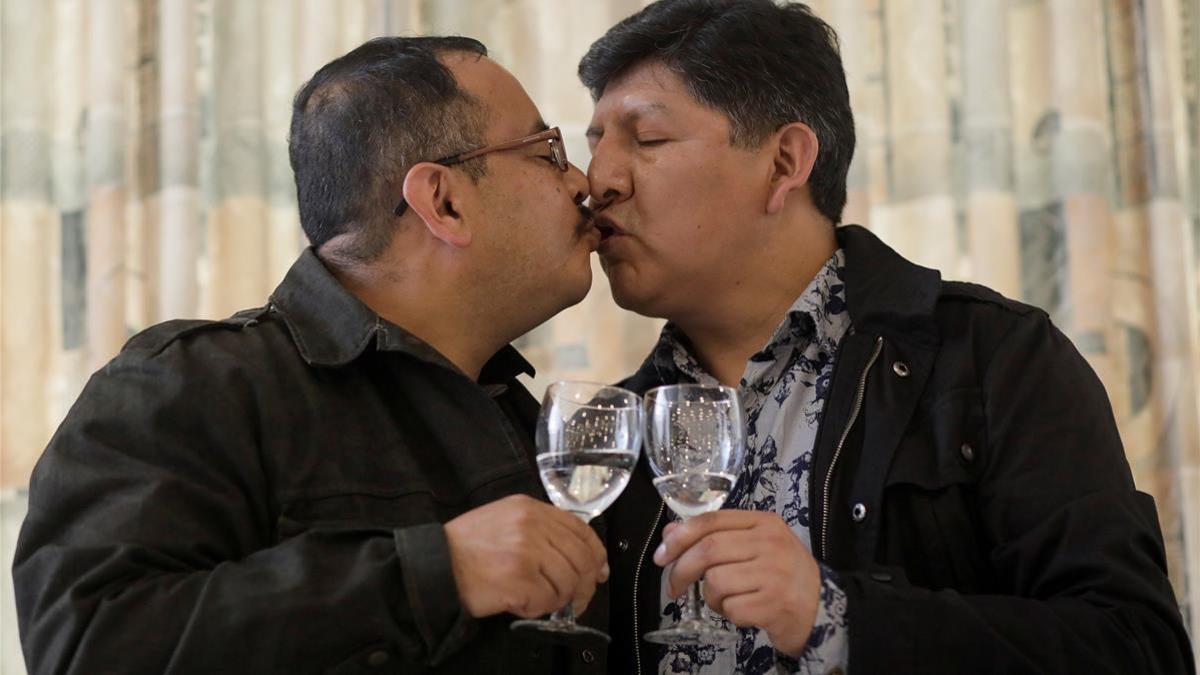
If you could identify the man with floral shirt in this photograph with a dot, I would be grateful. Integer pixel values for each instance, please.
(934, 480)
(783, 390)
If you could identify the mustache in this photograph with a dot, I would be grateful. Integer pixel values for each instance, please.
(587, 218)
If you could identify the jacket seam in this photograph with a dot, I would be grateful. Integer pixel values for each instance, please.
(195, 328)
(983, 389)
(1007, 304)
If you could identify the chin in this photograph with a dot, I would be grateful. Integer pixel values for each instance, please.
(623, 291)
(577, 289)
(635, 299)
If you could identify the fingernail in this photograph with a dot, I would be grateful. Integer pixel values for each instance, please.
(604, 572)
(660, 552)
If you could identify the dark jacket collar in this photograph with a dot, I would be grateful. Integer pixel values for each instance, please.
(331, 327)
(885, 295)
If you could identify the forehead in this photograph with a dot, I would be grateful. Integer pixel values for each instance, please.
(510, 111)
(648, 91)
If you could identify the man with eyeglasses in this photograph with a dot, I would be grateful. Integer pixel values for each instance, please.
(341, 480)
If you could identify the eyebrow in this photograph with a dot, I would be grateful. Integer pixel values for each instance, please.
(538, 127)
(630, 116)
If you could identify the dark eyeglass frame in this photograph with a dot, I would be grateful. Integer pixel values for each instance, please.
(557, 150)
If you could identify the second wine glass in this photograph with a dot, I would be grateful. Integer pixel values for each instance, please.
(694, 441)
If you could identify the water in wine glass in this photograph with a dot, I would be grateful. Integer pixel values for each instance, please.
(585, 482)
(694, 492)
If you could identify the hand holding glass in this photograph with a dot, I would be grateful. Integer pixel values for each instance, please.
(695, 444)
(588, 437)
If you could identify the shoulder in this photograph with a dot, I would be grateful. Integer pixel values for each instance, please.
(978, 325)
(247, 341)
(963, 305)
(963, 295)
(154, 340)
(1001, 340)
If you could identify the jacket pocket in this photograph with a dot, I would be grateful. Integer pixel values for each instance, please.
(947, 445)
(931, 523)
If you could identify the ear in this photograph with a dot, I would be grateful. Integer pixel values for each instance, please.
(795, 153)
(430, 191)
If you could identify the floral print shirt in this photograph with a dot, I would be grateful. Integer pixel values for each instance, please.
(783, 391)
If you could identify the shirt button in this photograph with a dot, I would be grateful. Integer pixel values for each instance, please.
(900, 368)
(967, 452)
(859, 512)
(588, 656)
(623, 545)
(377, 659)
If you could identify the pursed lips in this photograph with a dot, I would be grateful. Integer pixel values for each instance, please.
(608, 228)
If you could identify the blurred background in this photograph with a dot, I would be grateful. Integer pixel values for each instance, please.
(1049, 149)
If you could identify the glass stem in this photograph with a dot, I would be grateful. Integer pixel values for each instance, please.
(691, 608)
(691, 605)
(564, 615)
(567, 614)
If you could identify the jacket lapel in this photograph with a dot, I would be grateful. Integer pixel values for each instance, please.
(888, 297)
(892, 393)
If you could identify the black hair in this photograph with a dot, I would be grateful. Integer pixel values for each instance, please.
(362, 121)
(761, 64)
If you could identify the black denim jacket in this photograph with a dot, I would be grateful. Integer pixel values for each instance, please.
(981, 512)
(265, 494)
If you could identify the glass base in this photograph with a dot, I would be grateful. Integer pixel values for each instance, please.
(558, 627)
(693, 632)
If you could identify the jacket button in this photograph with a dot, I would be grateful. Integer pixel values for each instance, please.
(377, 659)
(623, 545)
(588, 656)
(859, 512)
(967, 452)
(900, 368)
(882, 577)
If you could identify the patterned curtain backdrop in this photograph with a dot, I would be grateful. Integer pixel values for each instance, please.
(1047, 148)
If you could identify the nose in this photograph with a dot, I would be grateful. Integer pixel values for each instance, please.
(577, 182)
(608, 176)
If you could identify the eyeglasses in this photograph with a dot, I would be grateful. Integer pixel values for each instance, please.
(553, 136)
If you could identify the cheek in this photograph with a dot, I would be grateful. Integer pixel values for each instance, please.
(533, 210)
(687, 213)
(697, 183)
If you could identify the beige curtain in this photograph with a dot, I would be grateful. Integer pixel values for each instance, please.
(1047, 148)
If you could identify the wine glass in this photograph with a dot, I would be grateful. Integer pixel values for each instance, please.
(695, 444)
(588, 438)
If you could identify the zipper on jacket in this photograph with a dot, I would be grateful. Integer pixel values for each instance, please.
(859, 395)
(637, 572)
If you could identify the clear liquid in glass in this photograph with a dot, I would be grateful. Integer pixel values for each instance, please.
(694, 492)
(586, 482)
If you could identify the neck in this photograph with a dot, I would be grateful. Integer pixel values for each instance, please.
(419, 304)
(738, 318)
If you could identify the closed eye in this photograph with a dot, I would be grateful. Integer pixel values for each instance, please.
(651, 142)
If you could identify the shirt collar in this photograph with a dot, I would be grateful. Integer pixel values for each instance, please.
(809, 316)
(331, 327)
(805, 320)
